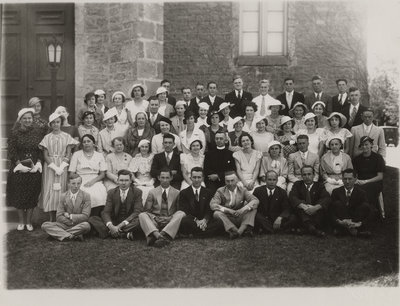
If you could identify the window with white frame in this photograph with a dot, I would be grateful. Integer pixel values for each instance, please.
(263, 28)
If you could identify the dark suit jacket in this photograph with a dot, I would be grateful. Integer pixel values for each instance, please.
(217, 162)
(336, 106)
(156, 125)
(310, 99)
(358, 197)
(188, 205)
(357, 120)
(133, 201)
(160, 161)
(318, 194)
(213, 107)
(277, 206)
(193, 106)
(237, 108)
(297, 97)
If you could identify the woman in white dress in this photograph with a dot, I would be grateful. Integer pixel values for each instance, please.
(247, 163)
(336, 123)
(191, 133)
(276, 162)
(87, 127)
(318, 108)
(333, 163)
(194, 158)
(297, 113)
(274, 119)
(316, 136)
(56, 147)
(116, 161)
(91, 167)
(138, 103)
(124, 117)
(227, 121)
(140, 166)
(166, 109)
(261, 137)
(250, 109)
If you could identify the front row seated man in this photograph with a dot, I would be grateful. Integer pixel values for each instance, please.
(273, 212)
(194, 201)
(350, 211)
(161, 212)
(234, 206)
(73, 212)
(310, 201)
(119, 217)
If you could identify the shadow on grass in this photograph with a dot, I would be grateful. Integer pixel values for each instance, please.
(264, 261)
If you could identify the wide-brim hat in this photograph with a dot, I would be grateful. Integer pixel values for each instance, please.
(112, 112)
(318, 102)
(164, 119)
(204, 105)
(180, 102)
(53, 117)
(258, 119)
(221, 117)
(142, 142)
(236, 120)
(137, 85)
(298, 104)
(161, 90)
(142, 112)
(364, 139)
(99, 92)
(285, 119)
(24, 111)
(328, 141)
(224, 105)
(343, 119)
(274, 143)
(309, 116)
(276, 103)
(33, 101)
(117, 93)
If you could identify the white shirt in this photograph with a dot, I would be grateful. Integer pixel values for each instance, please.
(304, 155)
(309, 187)
(166, 191)
(73, 196)
(316, 94)
(367, 128)
(344, 96)
(198, 191)
(289, 98)
(122, 192)
(237, 93)
(198, 100)
(233, 195)
(212, 99)
(267, 100)
(270, 191)
(168, 155)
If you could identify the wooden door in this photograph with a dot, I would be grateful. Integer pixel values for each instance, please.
(25, 72)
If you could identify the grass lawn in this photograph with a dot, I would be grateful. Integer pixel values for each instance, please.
(33, 261)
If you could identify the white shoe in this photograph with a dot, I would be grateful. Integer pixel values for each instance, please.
(29, 227)
(20, 227)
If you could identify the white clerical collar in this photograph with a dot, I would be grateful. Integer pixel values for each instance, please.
(220, 148)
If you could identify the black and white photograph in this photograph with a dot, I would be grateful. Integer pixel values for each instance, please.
(200, 152)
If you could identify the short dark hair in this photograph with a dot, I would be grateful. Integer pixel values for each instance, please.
(197, 169)
(352, 89)
(307, 166)
(199, 84)
(141, 89)
(316, 77)
(246, 135)
(88, 96)
(90, 136)
(288, 79)
(170, 136)
(119, 139)
(235, 77)
(350, 170)
(337, 116)
(124, 172)
(211, 82)
(185, 87)
(251, 104)
(303, 136)
(165, 169)
(73, 176)
(341, 80)
(164, 81)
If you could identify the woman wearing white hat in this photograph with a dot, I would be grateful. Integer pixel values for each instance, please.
(166, 110)
(318, 109)
(297, 113)
(276, 162)
(124, 118)
(333, 163)
(261, 137)
(56, 147)
(274, 119)
(117, 160)
(238, 123)
(140, 166)
(138, 103)
(287, 137)
(336, 123)
(227, 121)
(140, 130)
(110, 132)
(37, 105)
(203, 112)
(316, 136)
(100, 99)
(24, 177)
(66, 127)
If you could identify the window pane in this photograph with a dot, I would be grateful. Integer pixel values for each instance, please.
(250, 21)
(250, 43)
(275, 22)
(275, 43)
(250, 6)
(275, 5)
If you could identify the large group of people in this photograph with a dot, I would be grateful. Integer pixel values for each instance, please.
(201, 165)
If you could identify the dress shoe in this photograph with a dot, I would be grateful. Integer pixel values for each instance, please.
(233, 233)
(248, 233)
(161, 242)
(150, 240)
(20, 227)
(29, 227)
(129, 236)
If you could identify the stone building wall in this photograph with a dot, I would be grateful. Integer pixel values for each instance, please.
(326, 38)
(117, 44)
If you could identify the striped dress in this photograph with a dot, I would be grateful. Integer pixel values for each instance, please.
(53, 185)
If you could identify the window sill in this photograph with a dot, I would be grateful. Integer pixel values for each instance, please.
(268, 60)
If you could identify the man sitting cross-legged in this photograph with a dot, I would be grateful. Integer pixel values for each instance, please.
(119, 217)
(350, 211)
(161, 212)
(273, 212)
(234, 206)
(73, 212)
(310, 201)
(194, 201)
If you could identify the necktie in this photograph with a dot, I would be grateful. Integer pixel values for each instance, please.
(269, 194)
(318, 96)
(303, 157)
(168, 159)
(308, 195)
(239, 97)
(197, 195)
(153, 118)
(123, 197)
(352, 116)
(262, 111)
(340, 98)
(348, 195)
(164, 196)
(289, 100)
(73, 198)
